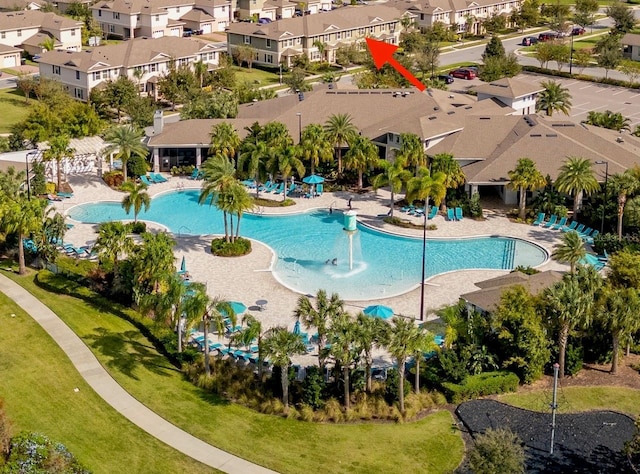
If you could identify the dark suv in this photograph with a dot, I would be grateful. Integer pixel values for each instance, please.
(547, 37)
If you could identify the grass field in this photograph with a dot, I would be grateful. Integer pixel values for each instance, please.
(577, 399)
(14, 109)
(256, 76)
(38, 383)
(430, 445)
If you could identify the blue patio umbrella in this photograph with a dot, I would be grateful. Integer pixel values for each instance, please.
(183, 265)
(378, 311)
(313, 179)
(237, 307)
(296, 328)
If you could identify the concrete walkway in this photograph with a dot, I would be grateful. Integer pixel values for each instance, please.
(112, 393)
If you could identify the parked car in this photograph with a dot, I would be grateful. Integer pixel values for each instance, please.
(577, 31)
(446, 78)
(529, 41)
(264, 21)
(547, 37)
(463, 73)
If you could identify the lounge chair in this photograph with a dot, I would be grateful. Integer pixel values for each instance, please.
(433, 212)
(540, 219)
(586, 233)
(552, 221)
(579, 229)
(319, 189)
(265, 186)
(407, 208)
(560, 224)
(200, 175)
(593, 235)
(65, 195)
(145, 180)
(292, 189)
(194, 174)
(158, 178)
(279, 188)
(272, 187)
(568, 228)
(450, 215)
(458, 213)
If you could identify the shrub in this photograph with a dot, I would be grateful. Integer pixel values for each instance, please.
(497, 452)
(475, 208)
(34, 452)
(574, 356)
(49, 188)
(474, 386)
(222, 248)
(38, 182)
(333, 409)
(306, 413)
(392, 386)
(113, 179)
(137, 166)
(609, 242)
(138, 227)
(312, 388)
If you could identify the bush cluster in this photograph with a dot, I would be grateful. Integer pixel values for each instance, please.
(581, 77)
(182, 170)
(113, 179)
(138, 227)
(486, 383)
(237, 248)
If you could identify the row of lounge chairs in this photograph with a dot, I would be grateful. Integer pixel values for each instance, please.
(454, 214)
(419, 211)
(196, 174)
(153, 178)
(586, 233)
(249, 354)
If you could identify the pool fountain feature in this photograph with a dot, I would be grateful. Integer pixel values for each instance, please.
(350, 227)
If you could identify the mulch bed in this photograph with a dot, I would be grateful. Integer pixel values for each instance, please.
(589, 442)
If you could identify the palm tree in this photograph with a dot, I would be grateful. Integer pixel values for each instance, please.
(166, 304)
(370, 333)
(339, 129)
(276, 135)
(200, 70)
(624, 184)
(113, 242)
(362, 155)
(571, 250)
(618, 309)
(395, 175)
(234, 201)
(24, 217)
(342, 337)
(525, 177)
(152, 262)
(569, 304)
(253, 157)
(412, 150)
(321, 49)
(48, 44)
(319, 316)
(136, 198)
(59, 149)
(315, 147)
(224, 140)
(251, 332)
(138, 73)
(285, 161)
(576, 178)
(447, 164)
(554, 98)
(401, 346)
(422, 341)
(608, 119)
(218, 177)
(279, 345)
(126, 142)
(426, 186)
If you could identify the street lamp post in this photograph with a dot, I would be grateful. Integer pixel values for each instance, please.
(280, 73)
(424, 256)
(26, 162)
(299, 114)
(571, 56)
(606, 194)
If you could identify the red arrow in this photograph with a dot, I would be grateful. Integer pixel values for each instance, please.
(382, 53)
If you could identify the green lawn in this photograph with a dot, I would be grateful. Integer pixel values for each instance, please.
(256, 76)
(430, 445)
(14, 109)
(38, 383)
(577, 399)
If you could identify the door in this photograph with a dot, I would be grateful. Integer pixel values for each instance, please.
(206, 28)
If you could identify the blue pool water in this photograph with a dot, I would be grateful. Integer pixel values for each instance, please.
(305, 245)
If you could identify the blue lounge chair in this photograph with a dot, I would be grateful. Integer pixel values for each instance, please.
(158, 178)
(265, 186)
(458, 213)
(272, 187)
(407, 208)
(145, 180)
(594, 234)
(433, 213)
(450, 215)
(292, 189)
(540, 219)
(200, 175)
(194, 174)
(560, 224)
(573, 225)
(319, 189)
(65, 195)
(586, 233)
(579, 229)
(279, 188)
(552, 221)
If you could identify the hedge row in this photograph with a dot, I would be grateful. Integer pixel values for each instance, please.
(474, 386)
(581, 77)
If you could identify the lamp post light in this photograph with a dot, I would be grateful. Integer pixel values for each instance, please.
(606, 194)
(299, 114)
(424, 256)
(26, 162)
(280, 75)
(571, 56)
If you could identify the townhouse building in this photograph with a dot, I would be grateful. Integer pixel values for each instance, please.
(80, 72)
(317, 36)
(136, 18)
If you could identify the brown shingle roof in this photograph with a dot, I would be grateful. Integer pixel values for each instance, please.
(196, 14)
(508, 87)
(35, 18)
(194, 132)
(630, 39)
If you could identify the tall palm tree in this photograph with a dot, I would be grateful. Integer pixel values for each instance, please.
(618, 309)
(319, 316)
(126, 142)
(362, 155)
(624, 185)
(554, 98)
(395, 175)
(59, 149)
(253, 158)
(412, 150)
(447, 164)
(276, 135)
(218, 176)
(137, 198)
(422, 341)
(200, 70)
(401, 346)
(425, 186)
(224, 141)
(571, 250)
(113, 242)
(576, 178)
(525, 177)
(279, 345)
(166, 304)
(370, 333)
(339, 129)
(49, 43)
(343, 348)
(23, 216)
(285, 162)
(315, 147)
(234, 201)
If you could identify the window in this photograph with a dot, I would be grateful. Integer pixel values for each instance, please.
(153, 67)
(137, 17)
(73, 32)
(268, 43)
(268, 58)
(247, 39)
(77, 75)
(347, 34)
(327, 38)
(99, 12)
(116, 15)
(339, 35)
(112, 29)
(223, 7)
(177, 9)
(78, 93)
(56, 70)
(361, 31)
(3, 35)
(96, 76)
(157, 17)
(19, 32)
(183, 61)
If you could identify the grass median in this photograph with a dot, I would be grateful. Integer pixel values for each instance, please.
(430, 445)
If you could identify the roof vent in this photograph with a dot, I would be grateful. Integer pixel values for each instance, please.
(552, 135)
(485, 118)
(620, 140)
(451, 112)
(468, 107)
(436, 108)
(536, 135)
(433, 117)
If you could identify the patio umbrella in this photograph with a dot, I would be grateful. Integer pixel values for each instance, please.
(183, 265)
(296, 328)
(378, 311)
(237, 307)
(313, 179)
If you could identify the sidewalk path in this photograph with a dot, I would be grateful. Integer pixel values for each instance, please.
(112, 393)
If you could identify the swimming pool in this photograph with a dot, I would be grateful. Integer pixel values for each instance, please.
(306, 245)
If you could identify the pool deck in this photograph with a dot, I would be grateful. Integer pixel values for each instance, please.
(248, 279)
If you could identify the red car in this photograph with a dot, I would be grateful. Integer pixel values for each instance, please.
(462, 73)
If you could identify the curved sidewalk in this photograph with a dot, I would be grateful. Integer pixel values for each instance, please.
(112, 393)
